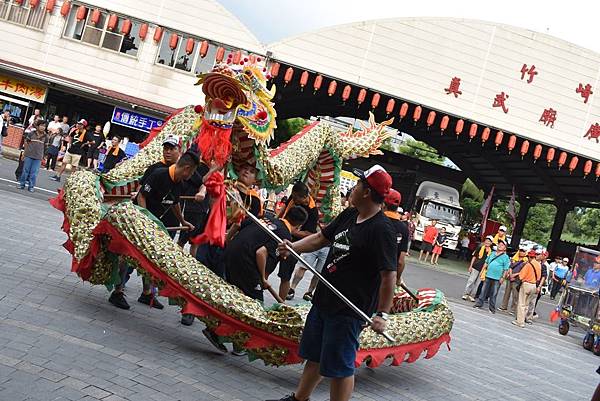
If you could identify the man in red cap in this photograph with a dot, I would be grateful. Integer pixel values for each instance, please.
(391, 204)
(361, 264)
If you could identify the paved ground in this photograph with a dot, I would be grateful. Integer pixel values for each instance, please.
(61, 340)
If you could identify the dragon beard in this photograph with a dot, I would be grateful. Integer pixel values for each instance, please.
(214, 142)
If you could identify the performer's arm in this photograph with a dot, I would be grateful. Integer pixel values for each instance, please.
(179, 216)
(141, 199)
(261, 263)
(401, 264)
(307, 244)
(386, 290)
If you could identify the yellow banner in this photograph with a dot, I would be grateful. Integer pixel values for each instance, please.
(24, 89)
(348, 175)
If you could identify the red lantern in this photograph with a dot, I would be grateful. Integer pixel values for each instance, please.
(143, 31)
(403, 110)
(597, 171)
(19, 2)
(444, 123)
(173, 41)
(204, 48)
(499, 139)
(113, 20)
(524, 148)
(158, 33)
(303, 79)
(65, 8)
(389, 107)
(236, 57)
(317, 84)
(485, 135)
(460, 124)
(417, 114)
(346, 92)
(81, 13)
(34, 3)
(472, 131)
(550, 155)
(430, 118)
(220, 54)
(275, 69)
(362, 94)
(50, 5)
(252, 58)
(562, 159)
(289, 74)
(126, 28)
(331, 88)
(375, 101)
(512, 142)
(95, 17)
(537, 152)
(189, 46)
(587, 168)
(573, 163)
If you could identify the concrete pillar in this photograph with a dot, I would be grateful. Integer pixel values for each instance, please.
(517, 234)
(562, 208)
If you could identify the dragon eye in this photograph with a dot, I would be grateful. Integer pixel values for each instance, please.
(248, 72)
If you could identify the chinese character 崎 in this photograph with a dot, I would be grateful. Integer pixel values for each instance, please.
(453, 88)
(585, 91)
(499, 101)
(531, 71)
(548, 117)
(593, 132)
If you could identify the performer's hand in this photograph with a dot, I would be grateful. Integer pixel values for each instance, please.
(133, 195)
(378, 325)
(264, 284)
(188, 224)
(199, 197)
(470, 269)
(283, 250)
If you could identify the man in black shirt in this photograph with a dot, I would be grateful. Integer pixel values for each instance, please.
(114, 155)
(362, 265)
(391, 204)
(79, 138)
(95, 142)
(300, 197)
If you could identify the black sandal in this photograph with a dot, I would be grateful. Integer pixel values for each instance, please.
(290, 294)
(307, 297)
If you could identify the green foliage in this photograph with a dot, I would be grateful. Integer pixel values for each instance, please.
(581, 226)
(420, 150)
(287, 129)
(470, 190)
(539, 223)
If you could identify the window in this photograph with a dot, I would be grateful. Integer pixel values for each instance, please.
(23, 14)
(99, 35)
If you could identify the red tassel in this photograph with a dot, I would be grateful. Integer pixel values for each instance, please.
(214, 232)
(214, 143)
(554, 315)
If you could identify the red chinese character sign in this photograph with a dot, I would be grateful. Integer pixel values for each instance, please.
(23, 89)
(584, 91)
(453, 87)
(593, 132)
(500, 100)
(548, 117)
(529, 71)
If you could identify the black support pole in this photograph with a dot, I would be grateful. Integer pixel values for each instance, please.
(517, 234)
(562, 208)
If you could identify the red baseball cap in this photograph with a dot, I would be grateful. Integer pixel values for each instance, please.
(532, 253)
(377, 178)
(393, 198)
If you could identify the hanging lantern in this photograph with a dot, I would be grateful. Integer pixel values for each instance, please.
(65, 8)
(573, 164)
(389, 107)
(113, 20)
(597, 171)
(403, 110)
(550, 155)
(173, 41)
(512, 142)
(444, 123)
(289, 74)
(189, 46)
(220, 54)
(317, 84)
(485, 135)
(472, 131)
(252, 58)
(19, 2)
(362, 94)
(34, 3)
(236, 57)
(331, 88)
(303, 79)
(524, 148)
(95, 17)
(126, 28)
(562, 159)
(430, 119)
(158, 33)
(203, 48)
(81, 13)
(499, 138)
(537, 152)
(275, 69)
(346, 93)
(50, 5)
(587, 168)
(460, 124)
(375, 101)
(143, 31)
(417, 114)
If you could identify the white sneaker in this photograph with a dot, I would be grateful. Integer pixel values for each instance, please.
(471, 299)
(465, 297)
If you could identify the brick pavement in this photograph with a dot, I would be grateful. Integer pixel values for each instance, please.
(61, 340)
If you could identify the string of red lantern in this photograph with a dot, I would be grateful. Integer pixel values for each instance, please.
(587, 168)
(204, 48)
(390, 107)
(275, 70)
(430, 119)
(34, 3)
(289, 74)
(460, 124)
(346, 93)
(220, 55)
(50, 5)
(173, 41)
(485, 135)
(403, 110)
(573, 164)
(417, 114)
(537, 152)
(303, 79)
(597, 171)
(113, 20)
(512, 142)
(524, 149)
(331, 88)
(65, 8)
(143, 31)
(317, 84)
(375, 101)
(81, 13)
(362, 94)
(550, 155)
(562, 159)
(158, 33)
(189, 46)
(472, 131)
(126, 27)
(444, 124)
(499, 138)
(95, 17)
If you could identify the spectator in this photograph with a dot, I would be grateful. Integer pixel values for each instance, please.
(429, 236)
(477, 261)
(79, 137)
(66, 128)
(34, 153)
(438, 246)
(592, 276)
(94, 144)
(529, 274)
(410, 220)
(114, 155)
(559, 277)
(393, 211)
(517, 262)
(464, 247)
(35, 116)
(54, 125)
(494, 269)
(500, 235)
(55, 140)
(4, 123)
(544, 264)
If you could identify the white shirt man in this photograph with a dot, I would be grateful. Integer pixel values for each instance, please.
(54, 125)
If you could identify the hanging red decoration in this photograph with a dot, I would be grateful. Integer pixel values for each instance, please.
(220, 54)
(562, 159)
(331, 88)
(189, 46)
(550, 155)
(236, 57)
(485, 135)
(95, 17)
(472, 131)
(512, 142)
(417, 114)
(524, 148)
(275, 69)
(317, 84)
(289, 74)
(573, 163)
(143, 31)
(126, 27)
(65, 8)
(430, 118)
(173, 41)
(303, 79)
(158, 33)
(50, 5)
(537, 152)
(34, 3)
(346, 92)
(113, 20)
(19, 2)
(499, 138)
(204, 48)
(375, 101)
(403, 110)
(362, 94)
(444, 123)
(389, 107)
(81, 13)
(587, 168)
(460, 124)
(597, 171)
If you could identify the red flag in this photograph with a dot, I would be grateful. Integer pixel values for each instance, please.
(554, 315)
(485, 211)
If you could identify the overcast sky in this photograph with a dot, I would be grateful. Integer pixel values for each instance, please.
(271, 20)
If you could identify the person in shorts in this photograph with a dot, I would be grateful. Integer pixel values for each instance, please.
(438, 246)
(391, 208)
(429, 235)
(79, 137)
(316, 259)
(94, 144)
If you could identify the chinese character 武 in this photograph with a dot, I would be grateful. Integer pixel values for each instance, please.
(548, 117)
(593, 132)
(499, 101)
(453, 87)
(585, 91)
(531, 71)
(125, 118)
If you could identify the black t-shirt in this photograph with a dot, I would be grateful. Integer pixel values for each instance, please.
(150, 170)
(253, 203)
(77, 145)
(358, 253)
(191, 187)
(401, 229)
(441, 238)
(97, 138)
(240, 254)
(161, 193)
(111, 160)
(479, 262)
(312, 221)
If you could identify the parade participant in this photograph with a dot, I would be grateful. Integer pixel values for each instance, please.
(477, 261)
(510, 289)
(557, 261)
(591, 279)
(34, 153)
(543, 258)
(410, 222)
(300, 197)
(391, 203)
(438, 246)
(114, 154)
(529, 275)
(429, 235)
(66, 128)
(94, 144)
(559, 277)
(79, 137)
(55, 139)
(500, 235)
(159, 194)
(249, 196)
(494, 269)
(362, 265)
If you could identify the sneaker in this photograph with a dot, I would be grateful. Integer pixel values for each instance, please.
(55, 178)
(31, 189)
(535, 315)
(517, 324)
(187, 319)
(150, 300)
(503, 309)
(288, 398)
(239, 353)
(118, 300)
(214, 340)
(465, 297)
(471, 299)
(528, 321)
(493, 311)
(511, 313)
(290, 294)
(307, 297)
(476, 306)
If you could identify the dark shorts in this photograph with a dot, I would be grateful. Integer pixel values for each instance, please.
(426, 246)
(93, 153)
(286, 268)
(332, 341)
(198, 219)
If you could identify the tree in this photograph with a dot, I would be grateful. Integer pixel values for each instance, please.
(422, 151)
(539, 223)
(287, 129)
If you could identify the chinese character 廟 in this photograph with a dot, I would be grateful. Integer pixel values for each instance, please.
(585, 91)
(548, 117)
(593, 132)
(531, 71)
(499, 101)
(453, 88)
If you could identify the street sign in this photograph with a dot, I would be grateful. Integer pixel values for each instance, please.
(137, 121)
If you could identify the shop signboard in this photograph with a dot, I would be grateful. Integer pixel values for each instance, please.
(23, 89)
(133, 120)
